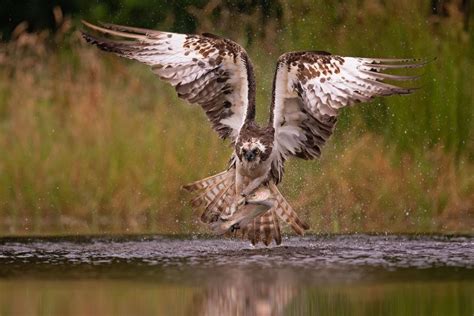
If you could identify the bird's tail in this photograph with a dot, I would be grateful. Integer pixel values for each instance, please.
(267, 226)
(213, 194)
(284, 211)
(216, 194)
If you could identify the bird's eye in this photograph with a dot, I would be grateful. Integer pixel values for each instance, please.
(256, 151)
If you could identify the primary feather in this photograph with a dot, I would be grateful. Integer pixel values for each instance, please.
(213, 72)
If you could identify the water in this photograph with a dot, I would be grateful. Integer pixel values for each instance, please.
(314, 275)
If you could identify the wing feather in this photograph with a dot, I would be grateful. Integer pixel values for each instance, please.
(213, 72)
(309, 89)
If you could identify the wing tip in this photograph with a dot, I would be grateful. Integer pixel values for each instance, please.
(128, 29)
(211, 35)
(112, 29)
(397, 63)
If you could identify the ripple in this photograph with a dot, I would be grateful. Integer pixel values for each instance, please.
(322, 255)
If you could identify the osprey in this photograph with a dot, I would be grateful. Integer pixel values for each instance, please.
(309, 89)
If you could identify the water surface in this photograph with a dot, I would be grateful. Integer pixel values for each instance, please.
(313, 275)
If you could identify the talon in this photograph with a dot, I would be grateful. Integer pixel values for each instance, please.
(234, 227)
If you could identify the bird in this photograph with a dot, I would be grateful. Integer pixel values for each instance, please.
(309, 90)
(272, 292)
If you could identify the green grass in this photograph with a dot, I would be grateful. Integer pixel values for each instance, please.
(93, 143)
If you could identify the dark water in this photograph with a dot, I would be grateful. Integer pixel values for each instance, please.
(314, 275)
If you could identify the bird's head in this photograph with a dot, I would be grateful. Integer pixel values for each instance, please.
(254, 144)
(251, 150)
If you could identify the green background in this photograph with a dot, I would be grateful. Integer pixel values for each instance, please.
(90, 143)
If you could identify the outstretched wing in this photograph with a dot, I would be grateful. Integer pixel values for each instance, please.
(213, 72)
(309, 88)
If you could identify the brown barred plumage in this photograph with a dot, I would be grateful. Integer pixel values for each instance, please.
(215, 194)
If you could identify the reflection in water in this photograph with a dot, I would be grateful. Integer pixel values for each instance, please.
(249, 295)
(315, 275)
(260, 293)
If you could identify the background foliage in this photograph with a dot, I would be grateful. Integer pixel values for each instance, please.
(93, 143)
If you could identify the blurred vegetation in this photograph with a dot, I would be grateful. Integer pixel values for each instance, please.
(93, 143)
(177, 15)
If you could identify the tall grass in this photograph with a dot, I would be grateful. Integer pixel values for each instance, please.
(93, 143)
(87, 149)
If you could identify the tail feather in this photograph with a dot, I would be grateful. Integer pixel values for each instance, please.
(254, 232)
(215, 195)
(206, 182)
(276, 229)
(215, 206)
(266, 225)
(212, 194)
(287, 213)
(264, 228)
